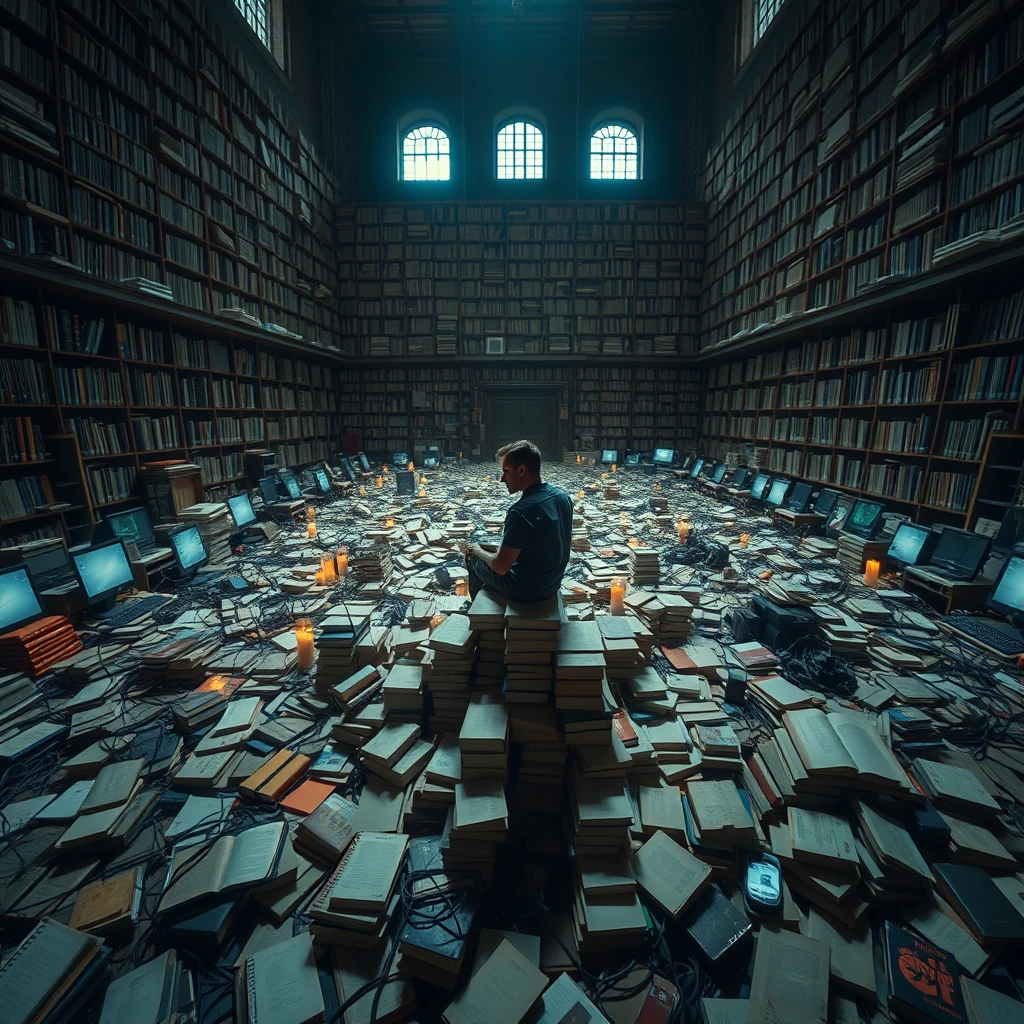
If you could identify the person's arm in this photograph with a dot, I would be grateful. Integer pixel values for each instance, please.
(500, 561)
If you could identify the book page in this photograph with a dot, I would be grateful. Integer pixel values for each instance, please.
(790, 983)
(286, 988)
(196, 871)
(253, 854)
(371, 869)
(503, 989)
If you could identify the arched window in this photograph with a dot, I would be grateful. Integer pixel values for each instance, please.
(426, 154)
(520, 150)
(614, 152)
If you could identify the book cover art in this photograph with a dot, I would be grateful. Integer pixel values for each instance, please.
(924, 982)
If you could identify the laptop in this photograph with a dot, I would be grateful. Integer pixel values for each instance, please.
(133, 525)
(957, 556)
(51, 569)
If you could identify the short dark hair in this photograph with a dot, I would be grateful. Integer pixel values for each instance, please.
(522, 453)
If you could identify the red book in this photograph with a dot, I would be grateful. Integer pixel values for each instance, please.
(624, 729)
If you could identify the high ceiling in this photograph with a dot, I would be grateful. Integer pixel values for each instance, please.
(416, 25)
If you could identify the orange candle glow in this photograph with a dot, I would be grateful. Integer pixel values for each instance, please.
(423, 479)
(389, 524)
(411, 466)
(604, 476)
(684, 531)
(462, 588)
(423, 492)
(304, 644)
(311, 531)
(380, 481)
(327, 568)
(487, 479)
(362, 489)
(342, 560)
(578, 460)
(618, 596)
(310, 513)
(615, 467)
(319, 578)
(579, 494)
(871, 572)
(744, 539)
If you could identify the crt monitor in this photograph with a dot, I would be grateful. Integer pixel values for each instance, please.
(777, 492)
(19, 602)
(430, 460)
(740, 479)
(865, 519)
(911, 544)
(632, 458)
(321, 481)
(241, 510)
(364, 462)
(347, 468)
(719, 474)
(103, 572)
(290, 484)
(960, 551)
(400, 458)
(189, 550)
(268, 488)
(664, 456)
(132, 523)
(826, 501)
(609, 455)
(759, 487)
(1007, 595)
(799, 499)
(696, 468)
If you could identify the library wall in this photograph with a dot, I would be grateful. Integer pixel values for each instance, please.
(141, 142)
(862, 306)
(533, 73)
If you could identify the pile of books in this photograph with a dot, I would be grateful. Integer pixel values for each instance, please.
(579, 667)
(540, 754)
(622, 654)
(531, 639)
(36, 647)
(215, 527)
(644, 566)
(487, 620)
(369, 565)
(477, 825)
(396, 753)
(667, 616)
(718, 822)
(182, 661)
(484, 738)
(340, 632)
(403, 692)
(452, 653)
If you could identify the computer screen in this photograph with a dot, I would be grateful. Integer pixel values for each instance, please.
(799, 498)
(960, 550)
(908, 543)
(189, 549)
(268, 488)
(133, 523)
(291, 485)
(663, 456)
(632, 458)
(347, 469)
(400, 458)
(865, 518)
(719, 474)
(18, 600)
(740, 478)
(778, 491)
(826, 502)
(429, 461)
(695, 470)
(609, 455)
(1008, 594)
(52, 558)
(759, 486)
(103, 570)
(322, 481)
(241, 511)
(364, 462)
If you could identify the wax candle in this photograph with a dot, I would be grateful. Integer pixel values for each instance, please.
(684, 531)
(423, 479)
(311, 531)
(385, 468)
(411, 466)
(462, 588)
(578, 460)
(380, 481)
(487, 479)
(318, 576)
(604, 476)
(744, 539)
(389, 524)
(310, 513)
(579, 494)
(304, 644)
(327, 568)
(633, 542)
(342, 559)
(615, 467)
(362, 489)
(618, 595)
(871, 572)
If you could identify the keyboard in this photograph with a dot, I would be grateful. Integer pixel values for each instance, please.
(128, 611)
(55, 578)
(1003, 641)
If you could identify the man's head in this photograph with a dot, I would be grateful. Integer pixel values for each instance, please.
(520, 465)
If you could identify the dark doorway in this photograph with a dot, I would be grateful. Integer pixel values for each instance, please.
(513, 413)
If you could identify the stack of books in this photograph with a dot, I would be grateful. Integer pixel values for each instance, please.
(396, 753)
(622, 653)
(358, 726)
(531, 639)
(476, 826)
(668, 616)
(34, 648)
(182, 661)
(579, 667)
(644, 566)
(215, 527)
(718, 822)
(540, 753)
(719, 746)
(487, 620)
(371, 565)
(452, 651)
(340, 632)
(162, 991)
(484, 738)
(403, 692)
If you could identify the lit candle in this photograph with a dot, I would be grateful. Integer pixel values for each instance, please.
(304, 644)
(487, 479)
(385, 468)
(871, 572)
(319, 577)
(310, 513)
(633, 542)
(578, 460)
(462, 588)
(684, 531)
(604, 476)
(389, 524)
(423, 492)
(423, 479)
(327, 568)
(618, 595)
(579, 494)
(656, 487)
(362, 489)
(439, 617)
(311, 531)
(411, 466)
(744, 539)
(380, 481)
(342, 560)
(615, 467)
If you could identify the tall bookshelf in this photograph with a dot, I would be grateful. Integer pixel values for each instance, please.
(546, 278)
(862, 322)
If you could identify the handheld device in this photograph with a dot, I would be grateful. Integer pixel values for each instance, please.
(762, 884)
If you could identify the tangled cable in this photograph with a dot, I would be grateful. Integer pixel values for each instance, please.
(810, 663)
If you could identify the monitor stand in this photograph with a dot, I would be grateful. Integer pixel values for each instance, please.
(103, 608)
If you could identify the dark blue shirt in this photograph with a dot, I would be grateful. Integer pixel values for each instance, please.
(540, 525)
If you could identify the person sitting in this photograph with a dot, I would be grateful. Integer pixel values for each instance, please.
(534, 551)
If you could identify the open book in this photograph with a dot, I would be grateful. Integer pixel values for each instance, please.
(198, 873)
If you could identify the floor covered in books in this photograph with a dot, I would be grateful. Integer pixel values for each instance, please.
(490, 814)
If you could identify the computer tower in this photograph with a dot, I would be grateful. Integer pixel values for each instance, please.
(258, 464)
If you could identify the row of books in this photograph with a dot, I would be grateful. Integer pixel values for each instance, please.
(21, 440)
(21, 496)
